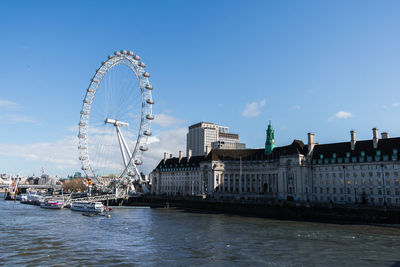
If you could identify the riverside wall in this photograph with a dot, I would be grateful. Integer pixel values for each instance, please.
(283, 210)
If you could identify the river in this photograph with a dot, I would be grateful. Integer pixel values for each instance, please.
(32, 236)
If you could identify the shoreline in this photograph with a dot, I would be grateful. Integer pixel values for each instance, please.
(361, 215)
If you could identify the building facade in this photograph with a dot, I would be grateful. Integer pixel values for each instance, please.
(204, 136)
(366, 171)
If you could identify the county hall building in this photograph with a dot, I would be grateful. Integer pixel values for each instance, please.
(365, 171)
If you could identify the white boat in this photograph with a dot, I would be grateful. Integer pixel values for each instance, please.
(24, 198)
(86, 206)
(52, 204)
(34, 199)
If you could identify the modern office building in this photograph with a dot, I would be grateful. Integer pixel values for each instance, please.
(204, 136)
(365, 171)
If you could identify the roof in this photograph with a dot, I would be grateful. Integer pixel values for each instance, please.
(296, 147)
(385, 146)
(199, 124)
(174, 162)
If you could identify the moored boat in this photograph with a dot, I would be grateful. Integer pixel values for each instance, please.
(52, 204)
(86, 206)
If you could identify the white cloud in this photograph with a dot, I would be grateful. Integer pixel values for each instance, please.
(253, 109)
(342, 115)
(61, 157)
(396, 104)
(165, 120)
(18, 118)
(170, 141)
(7, 104)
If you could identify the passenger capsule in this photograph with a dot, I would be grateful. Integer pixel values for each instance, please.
(117, 53)
(82, 158)
(124, 52)
(146, 74)
(150, 101)
(138, 162)
(141, 64)
(82, 124)
(86, 101)
(150, 117)
(90, 90)
(136, 57)
(147, 133)
(85, 168)
(81, 136)
(130, 53)
(110, 57)
(149, 87)
(83, 112)
(95, 80)
(143, 148)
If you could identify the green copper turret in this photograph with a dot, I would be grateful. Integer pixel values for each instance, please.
(270, 142)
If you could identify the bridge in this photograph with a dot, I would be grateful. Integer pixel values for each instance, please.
(34, 186)
(93, 198)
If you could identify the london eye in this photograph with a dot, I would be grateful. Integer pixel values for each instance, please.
(115, 119)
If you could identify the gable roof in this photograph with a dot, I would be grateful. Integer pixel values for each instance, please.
(385, 146)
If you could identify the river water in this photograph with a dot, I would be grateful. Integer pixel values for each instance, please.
(33, 236)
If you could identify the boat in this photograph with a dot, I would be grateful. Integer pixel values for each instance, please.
(24, 198)
(52, 204)
(12, 191)
(34, 199)
(86, 206)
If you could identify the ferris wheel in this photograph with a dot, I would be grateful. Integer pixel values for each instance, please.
(115, 118)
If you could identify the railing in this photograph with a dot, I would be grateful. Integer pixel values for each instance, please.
(93, 198)
(33, 186)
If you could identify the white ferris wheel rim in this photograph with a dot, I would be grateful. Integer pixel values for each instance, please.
(131, 60)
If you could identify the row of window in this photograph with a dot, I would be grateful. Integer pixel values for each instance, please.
(355, 181)
(364, 191)
(363, 174)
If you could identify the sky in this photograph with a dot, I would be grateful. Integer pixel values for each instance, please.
(308, 66)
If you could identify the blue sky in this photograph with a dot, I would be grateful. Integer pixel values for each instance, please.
(321, 66)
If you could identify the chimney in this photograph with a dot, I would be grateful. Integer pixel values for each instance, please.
(385, 135)
(170, 156)
(189, 155)
(165, 156)
(353, 139)
(180, 156)
(311, 142)
(375, 138)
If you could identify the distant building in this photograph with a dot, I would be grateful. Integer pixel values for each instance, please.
(366, 171)
(204, 136)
